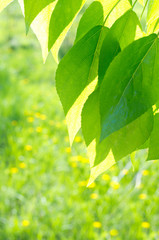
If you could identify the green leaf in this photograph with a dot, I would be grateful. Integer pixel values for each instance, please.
(153, 153)
(121, 28)
(40, 26)
(4, 3)
(120, 143)
(75, 75)
(133, 83)
(109, 50)
(117, 11)
(32, 9)
(153, 26)
(118, 36)
(78, 82)
(153, 11)
(62, 15)
(93, 16)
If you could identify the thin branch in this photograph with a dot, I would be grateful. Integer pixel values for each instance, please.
(144, 9)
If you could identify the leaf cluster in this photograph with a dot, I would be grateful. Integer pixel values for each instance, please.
(108, 82)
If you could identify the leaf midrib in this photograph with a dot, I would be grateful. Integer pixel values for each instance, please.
(134, 74)
(99, 39)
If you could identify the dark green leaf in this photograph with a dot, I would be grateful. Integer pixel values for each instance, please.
(118, 35)
(133, 82)
(92, 17)
(122, 142)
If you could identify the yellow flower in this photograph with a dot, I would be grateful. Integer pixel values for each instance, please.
(28, 148)
(25, 81)
(105, 177)
(114, 232)
(37, 115)
(94, 196)
(145, 172)
(73, 164)
(14, 170)
(97, 225)
(115, 185)
(14, 123)
(82, 159)
(68, 150)
(145, 225)
(25, 223)
(42, 116)
(64, 121)
(22, 165)
(142, 196)
(39, 129)
(92, 185)
(82, 184)
(78, 139)
(113, 168)
(125, 171)
(79, 159)
(30, 119)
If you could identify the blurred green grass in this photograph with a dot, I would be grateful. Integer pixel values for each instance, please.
(43, 194)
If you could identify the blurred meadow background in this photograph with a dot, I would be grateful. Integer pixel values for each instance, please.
(43, 194)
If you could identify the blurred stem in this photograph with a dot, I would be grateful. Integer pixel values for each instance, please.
(134, 4)
(144, 9)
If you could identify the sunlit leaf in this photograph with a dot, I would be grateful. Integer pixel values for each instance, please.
(141, 2)
(61, 18)
(119, 36)
(120, 143)
(153, 26)
(119, 9)
(40, 26)
(32, 9)
(153, 11)
(4, 3)
(92, 17)
(75, 74)
(134, 73)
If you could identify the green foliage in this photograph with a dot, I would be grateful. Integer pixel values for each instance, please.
(62, 15)
(4, 3)
(32, 9)
(110, 76)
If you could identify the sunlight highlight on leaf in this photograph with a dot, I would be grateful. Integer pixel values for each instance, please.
(102, 167)
(73, 117)
(118, 11)
(40, 26)
(4, 3)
